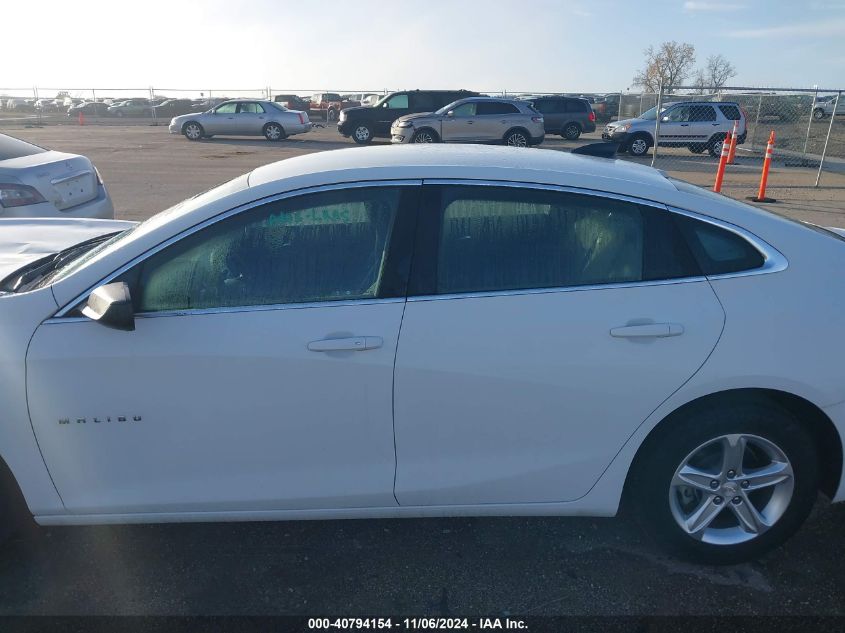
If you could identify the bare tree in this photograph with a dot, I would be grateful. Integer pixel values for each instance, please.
(717, 71)
(669, 65)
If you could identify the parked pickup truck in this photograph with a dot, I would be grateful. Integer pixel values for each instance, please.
(327, 105)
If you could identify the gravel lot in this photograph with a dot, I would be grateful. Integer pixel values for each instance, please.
(402, 567)
(147, 169)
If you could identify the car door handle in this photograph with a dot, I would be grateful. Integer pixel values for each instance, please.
(469, 122)
(648, 330)
(684, 124)
(351, 344)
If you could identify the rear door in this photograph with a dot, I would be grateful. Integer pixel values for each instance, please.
(249, 119)
(703, 122)
(493, 119)
(541, 329)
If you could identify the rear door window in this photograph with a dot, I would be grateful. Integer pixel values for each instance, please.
(424, 102)
(495, 108)
(699, 113)
(11, 147)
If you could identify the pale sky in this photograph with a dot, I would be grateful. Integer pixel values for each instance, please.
(349, 45)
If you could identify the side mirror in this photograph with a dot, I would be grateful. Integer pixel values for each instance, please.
(666, 118)
(111, 305)
(450, 113)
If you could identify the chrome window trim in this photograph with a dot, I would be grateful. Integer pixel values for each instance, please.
(773, 260)
(557, 289)
(62, 312)
(237, 309)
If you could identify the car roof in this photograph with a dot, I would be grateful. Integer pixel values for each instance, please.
(474, 162)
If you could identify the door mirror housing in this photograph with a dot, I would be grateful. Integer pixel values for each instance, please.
(111, 305)
(450, 113)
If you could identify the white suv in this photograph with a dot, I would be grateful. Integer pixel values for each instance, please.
(698, 125)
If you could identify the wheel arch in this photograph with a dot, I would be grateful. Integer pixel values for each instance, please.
(811, 417)
(12, 499)
(188, 122)
(517, 128)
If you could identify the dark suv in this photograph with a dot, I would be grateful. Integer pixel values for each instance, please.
(567, 116)
(367, 122)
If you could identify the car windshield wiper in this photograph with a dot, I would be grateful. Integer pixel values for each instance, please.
(24, 278)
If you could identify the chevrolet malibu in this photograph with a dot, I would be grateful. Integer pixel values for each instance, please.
(38, 182)
(429, 331)
(242, 117)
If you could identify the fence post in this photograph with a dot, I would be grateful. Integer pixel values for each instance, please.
(809, 125)
(657, 124)
(829, 129)
(619, 113)
(756, 122)
(35, 94)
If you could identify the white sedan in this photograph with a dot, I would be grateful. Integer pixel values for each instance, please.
(38, 182)
(431, 331)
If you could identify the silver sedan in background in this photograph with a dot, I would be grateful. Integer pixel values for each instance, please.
(38, 182)
(242, 117)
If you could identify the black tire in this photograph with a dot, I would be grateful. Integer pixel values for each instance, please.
(14, 514)
(193, 131)
(571, 131)
(699, 148)
(274, 132)
(818, 114)
(714, 146)
(649, 490)
(425, 135)
(362, 134)
(331, 114)
(517, 137)
(638, 145)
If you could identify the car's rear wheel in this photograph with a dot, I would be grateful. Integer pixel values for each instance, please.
(638, 145)
(517, 138)
(362, 134)
(572, 131)
(715, 145)
(425, 135)
(193, 131)
(726, 484)
(274, 132)
(331, 114)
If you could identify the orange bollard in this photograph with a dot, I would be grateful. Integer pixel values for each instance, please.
(764, 178)
(734, 136)
(723, 160)
(81, 119)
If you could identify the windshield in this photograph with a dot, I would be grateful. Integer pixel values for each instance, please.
(11, 147)
(42, 271)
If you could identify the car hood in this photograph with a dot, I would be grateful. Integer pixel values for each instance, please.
(185, 117)
(23, 240)
(625, 122)
(418, 115)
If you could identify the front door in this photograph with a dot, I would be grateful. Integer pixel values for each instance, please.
(259, 375)
(460, 125)
(396, 106)
(675, 125)
(542, 328)
(222, 120)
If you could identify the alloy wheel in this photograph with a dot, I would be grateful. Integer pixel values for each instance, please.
(423, 136)
(731, 489)
(638, 147)
(193, 131)
(362, 133)
(273, 132)
(517, 139)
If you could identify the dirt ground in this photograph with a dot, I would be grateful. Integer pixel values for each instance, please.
(146, 169)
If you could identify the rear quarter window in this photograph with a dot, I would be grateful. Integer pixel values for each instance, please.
(718, 251)
(730, 111)
(11, 147)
